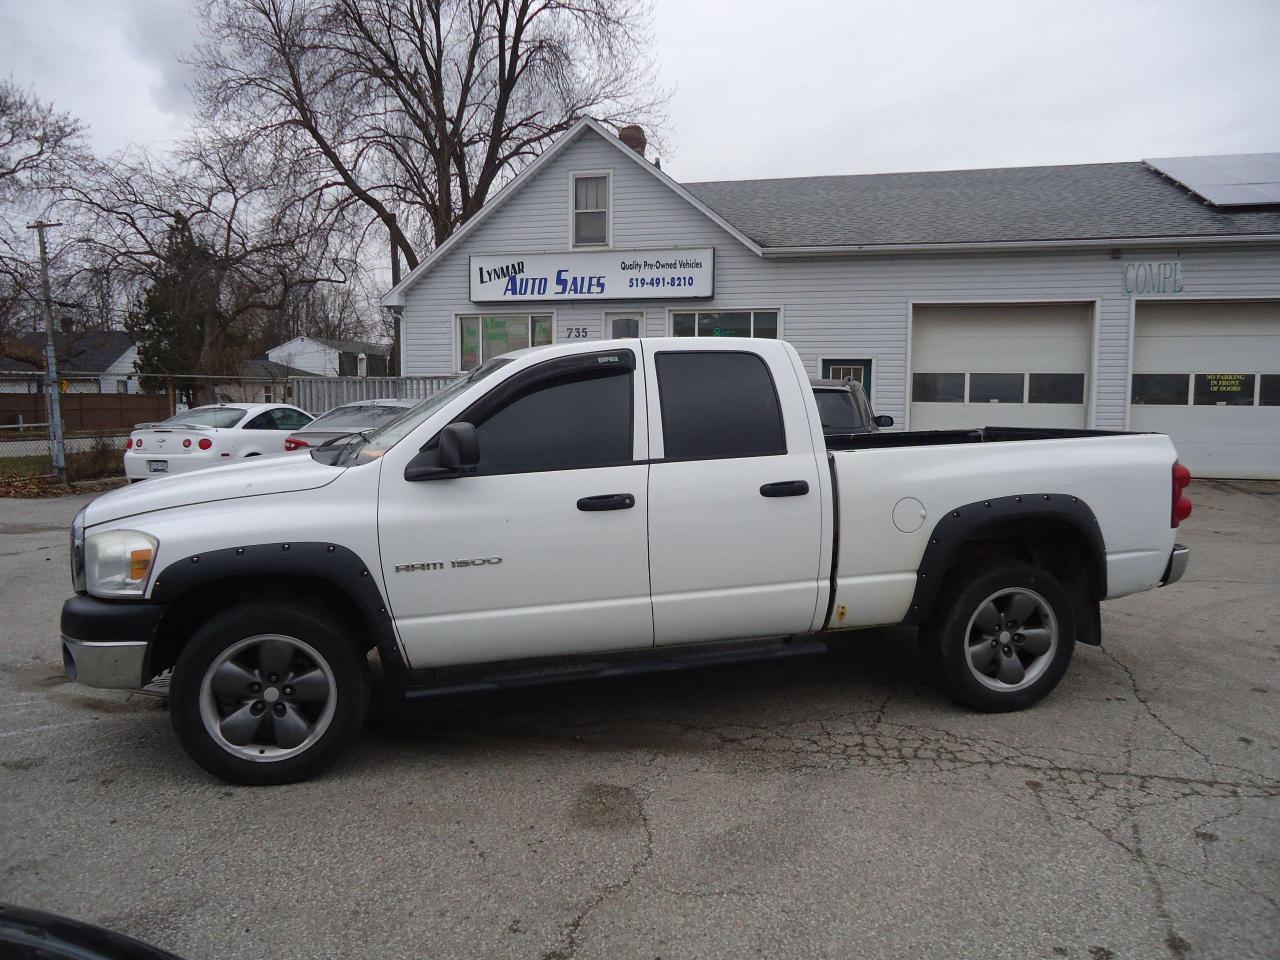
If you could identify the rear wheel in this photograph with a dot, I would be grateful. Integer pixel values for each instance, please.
(1002, 635)
(266, 693)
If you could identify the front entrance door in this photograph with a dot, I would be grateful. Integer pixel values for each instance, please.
(623, 325)
(859, 371)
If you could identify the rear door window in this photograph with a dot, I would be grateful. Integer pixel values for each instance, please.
(717, 405)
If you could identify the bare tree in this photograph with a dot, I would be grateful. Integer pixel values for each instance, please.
(38, 146)
(416, 110)
(226, 233)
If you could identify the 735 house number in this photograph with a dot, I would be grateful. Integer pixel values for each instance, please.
(575, 333)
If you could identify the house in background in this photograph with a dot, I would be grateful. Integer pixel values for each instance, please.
(97, 361)
(323, 357)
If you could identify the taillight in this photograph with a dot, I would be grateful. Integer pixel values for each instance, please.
(1181, 508)
(128, 442)
(138, 442)
(187, 442)
(293, 443)
(205, 443)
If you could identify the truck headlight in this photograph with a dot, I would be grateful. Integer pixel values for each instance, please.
(118, 562)
(77, 552)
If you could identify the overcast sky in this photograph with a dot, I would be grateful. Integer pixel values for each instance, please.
(776, 88)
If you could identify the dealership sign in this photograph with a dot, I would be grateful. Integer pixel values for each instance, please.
(594, 275)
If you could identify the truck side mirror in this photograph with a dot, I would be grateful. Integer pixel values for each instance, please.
(458, 448)
(884, 420)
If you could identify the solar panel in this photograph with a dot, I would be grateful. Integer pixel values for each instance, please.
(1231, 180)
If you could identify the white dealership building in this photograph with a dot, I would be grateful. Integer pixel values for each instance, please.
(1141, 296)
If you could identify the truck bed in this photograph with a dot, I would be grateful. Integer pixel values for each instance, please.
(929, 438)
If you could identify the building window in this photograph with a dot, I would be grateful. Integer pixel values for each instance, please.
(937, 387)
(1056, 388)
(591, 210)
(726, 323)
(1269, 391)
(859, 371)
(484, 336)
(362, 365)
(1223, 389)
(1164, 389)
(996, 387)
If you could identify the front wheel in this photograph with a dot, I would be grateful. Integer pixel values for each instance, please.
(267, 693)
(1002, 635)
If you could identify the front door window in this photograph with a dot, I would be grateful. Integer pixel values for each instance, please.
(624, 327)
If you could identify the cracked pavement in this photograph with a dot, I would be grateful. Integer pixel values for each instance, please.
(832, 806)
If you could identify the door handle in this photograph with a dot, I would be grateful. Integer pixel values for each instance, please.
(607, 501)
(785, 488)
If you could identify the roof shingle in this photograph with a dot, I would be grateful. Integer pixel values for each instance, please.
(1094, 201)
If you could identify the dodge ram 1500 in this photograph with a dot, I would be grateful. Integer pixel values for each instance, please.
(594, 509)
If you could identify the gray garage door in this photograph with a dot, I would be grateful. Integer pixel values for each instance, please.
(1208, 374)
(1023, 365)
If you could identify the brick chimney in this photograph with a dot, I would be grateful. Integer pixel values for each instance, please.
(633, 137)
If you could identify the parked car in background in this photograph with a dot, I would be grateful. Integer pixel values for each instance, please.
(844, 408)
(348, 419)
(209, 435)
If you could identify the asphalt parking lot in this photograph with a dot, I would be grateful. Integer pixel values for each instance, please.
(831, 807)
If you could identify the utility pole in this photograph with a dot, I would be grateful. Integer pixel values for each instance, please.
(56, 446)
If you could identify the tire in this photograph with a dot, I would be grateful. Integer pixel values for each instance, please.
(982, 661)
(238, 715)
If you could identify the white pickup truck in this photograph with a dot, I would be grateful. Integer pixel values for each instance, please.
(596, 509)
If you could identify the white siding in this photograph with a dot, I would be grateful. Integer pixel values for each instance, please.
(303, 353)
(832, 307)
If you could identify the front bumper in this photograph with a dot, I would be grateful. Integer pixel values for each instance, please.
(1178, 560)
(105, 642)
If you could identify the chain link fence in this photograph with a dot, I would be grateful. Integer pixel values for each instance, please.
(100, 410)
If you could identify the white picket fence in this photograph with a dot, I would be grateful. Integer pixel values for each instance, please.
(318, 394)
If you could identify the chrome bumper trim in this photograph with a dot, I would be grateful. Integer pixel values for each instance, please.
(1177, 565)
(116, 664)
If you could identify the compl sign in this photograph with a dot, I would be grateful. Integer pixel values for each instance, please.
(594, 275)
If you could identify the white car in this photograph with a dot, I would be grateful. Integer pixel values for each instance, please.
(208, 436)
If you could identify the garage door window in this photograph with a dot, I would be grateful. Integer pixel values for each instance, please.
(1167, 389)
(1269, 392)
(1224, 389)
(1056, 388)
(995, 387)
(937, 387)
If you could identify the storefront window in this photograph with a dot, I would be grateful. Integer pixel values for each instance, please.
(726, 323)
(488, 335)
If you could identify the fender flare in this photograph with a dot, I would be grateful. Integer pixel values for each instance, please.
(332, 563)
(962, 524)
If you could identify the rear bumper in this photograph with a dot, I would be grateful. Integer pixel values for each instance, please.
(1178, 560)
(105, 643)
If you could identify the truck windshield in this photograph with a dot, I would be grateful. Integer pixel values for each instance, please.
(839, 412)
(373, 444)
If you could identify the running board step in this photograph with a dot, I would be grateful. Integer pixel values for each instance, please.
(667, 663)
